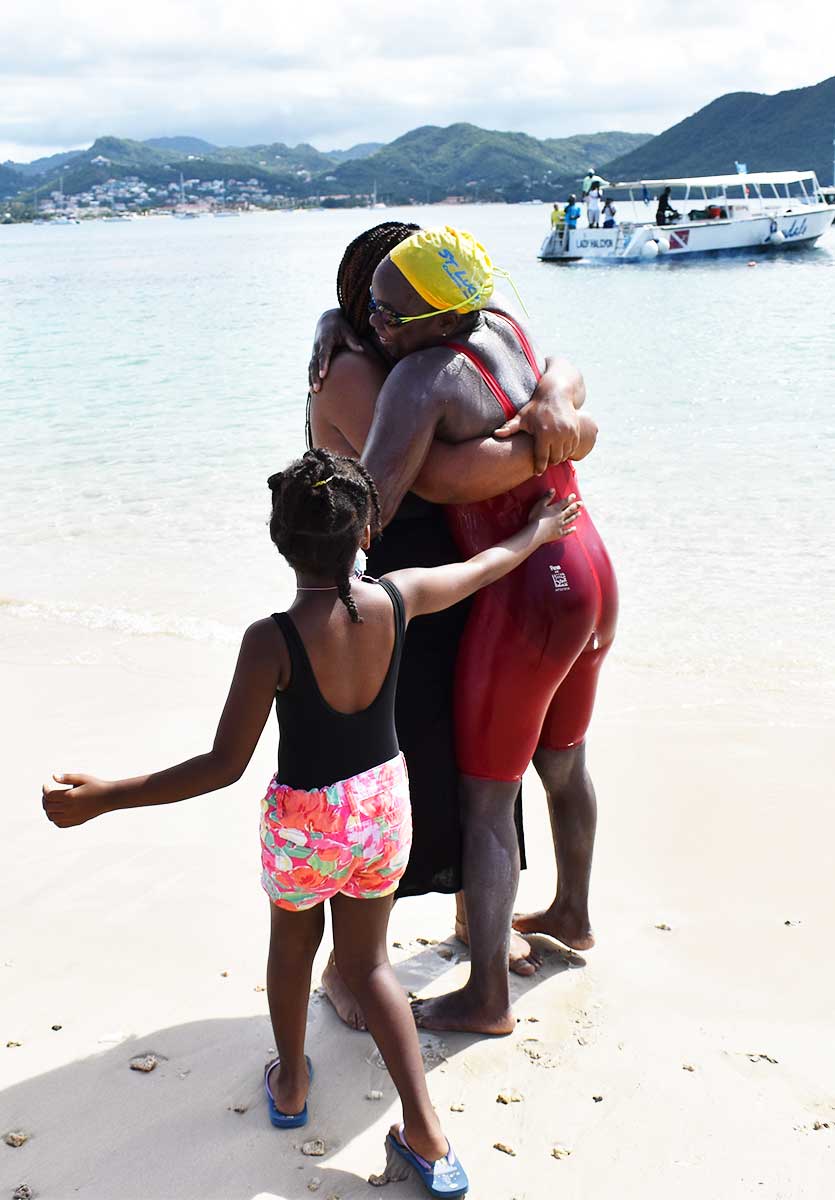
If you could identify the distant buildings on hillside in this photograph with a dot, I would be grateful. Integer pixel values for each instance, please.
(134, 195)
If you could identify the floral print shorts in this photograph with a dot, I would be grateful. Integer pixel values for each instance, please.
(353, 837)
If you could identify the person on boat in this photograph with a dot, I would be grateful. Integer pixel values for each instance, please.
(347, 370)
(573, 212)
(588, 181)
(665, 213)
(593, 204)
(530, 657)
(609, 212)
(557, 218)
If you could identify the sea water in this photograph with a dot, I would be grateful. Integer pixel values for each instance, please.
(153, 374)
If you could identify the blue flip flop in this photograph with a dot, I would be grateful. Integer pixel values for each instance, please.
(279, 1119)
(444, 1177)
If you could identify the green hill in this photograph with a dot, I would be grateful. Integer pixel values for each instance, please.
(181, 145)
(787, 132)
(362, 150)
(430, 163)
(11, 181)
(427, 163)
(43, 166)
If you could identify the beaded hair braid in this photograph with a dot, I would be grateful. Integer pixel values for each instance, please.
(322, 503)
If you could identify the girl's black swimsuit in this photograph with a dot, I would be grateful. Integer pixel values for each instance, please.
(320, 745)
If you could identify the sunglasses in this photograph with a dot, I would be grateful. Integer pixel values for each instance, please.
(390, 317)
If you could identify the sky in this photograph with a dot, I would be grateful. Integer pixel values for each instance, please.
(338, 72)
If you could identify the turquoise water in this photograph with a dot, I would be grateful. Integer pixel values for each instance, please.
(154, 374)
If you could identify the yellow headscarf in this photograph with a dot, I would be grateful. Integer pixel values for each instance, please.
(447, 267)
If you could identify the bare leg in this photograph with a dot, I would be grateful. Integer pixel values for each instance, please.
(572, 806)
(359, 936)
(294, 940)
(491, 876)
(347, 1007)
(522, 959)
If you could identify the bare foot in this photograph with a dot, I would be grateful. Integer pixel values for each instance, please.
(572, 929)
(428, 1143)
(288, 1091)
(336, 990)
(523, 958)
(397, 1169)
(459, 1013)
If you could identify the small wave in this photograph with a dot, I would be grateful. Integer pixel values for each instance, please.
(120, 620)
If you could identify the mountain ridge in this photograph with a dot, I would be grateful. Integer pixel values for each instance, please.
(788, 131)
(785, 131)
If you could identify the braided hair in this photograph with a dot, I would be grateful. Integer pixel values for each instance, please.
(322, 503)
(353, 279)
(359, 262)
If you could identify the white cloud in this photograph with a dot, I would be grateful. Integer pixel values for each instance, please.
(341, 72)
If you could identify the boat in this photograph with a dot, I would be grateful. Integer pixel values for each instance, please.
(748, 211)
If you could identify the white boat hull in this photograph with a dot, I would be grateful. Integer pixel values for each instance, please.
(637, 242)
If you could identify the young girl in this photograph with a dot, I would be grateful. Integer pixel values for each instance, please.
(336, 821)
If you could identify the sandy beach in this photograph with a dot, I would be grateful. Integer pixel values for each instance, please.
(689, 1053)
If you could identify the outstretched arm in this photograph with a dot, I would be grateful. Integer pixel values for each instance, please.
(430, 589)
(241, 723)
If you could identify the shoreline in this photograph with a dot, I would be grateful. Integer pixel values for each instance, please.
(125, 927)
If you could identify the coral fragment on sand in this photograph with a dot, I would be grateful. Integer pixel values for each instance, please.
(560, 1152)
(505, 1149)
(144, 1062)
(511, 1096)
(15, 1138)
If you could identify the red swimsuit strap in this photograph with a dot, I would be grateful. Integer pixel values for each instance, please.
(527, 348)
(488, 376)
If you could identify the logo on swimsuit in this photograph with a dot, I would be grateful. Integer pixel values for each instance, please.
(558, 578)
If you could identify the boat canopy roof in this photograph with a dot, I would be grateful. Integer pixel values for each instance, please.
(720, 180)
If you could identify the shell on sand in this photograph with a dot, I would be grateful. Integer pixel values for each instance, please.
(315, 1148)
(16, 1137)
(505, 1149)
(560, 1152)
(511, 1096)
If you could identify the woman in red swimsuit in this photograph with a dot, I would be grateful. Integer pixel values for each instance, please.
(529, 662)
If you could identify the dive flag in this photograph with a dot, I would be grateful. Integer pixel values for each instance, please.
(679, 238)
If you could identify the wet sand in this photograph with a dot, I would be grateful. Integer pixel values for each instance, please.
(689, 1054)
